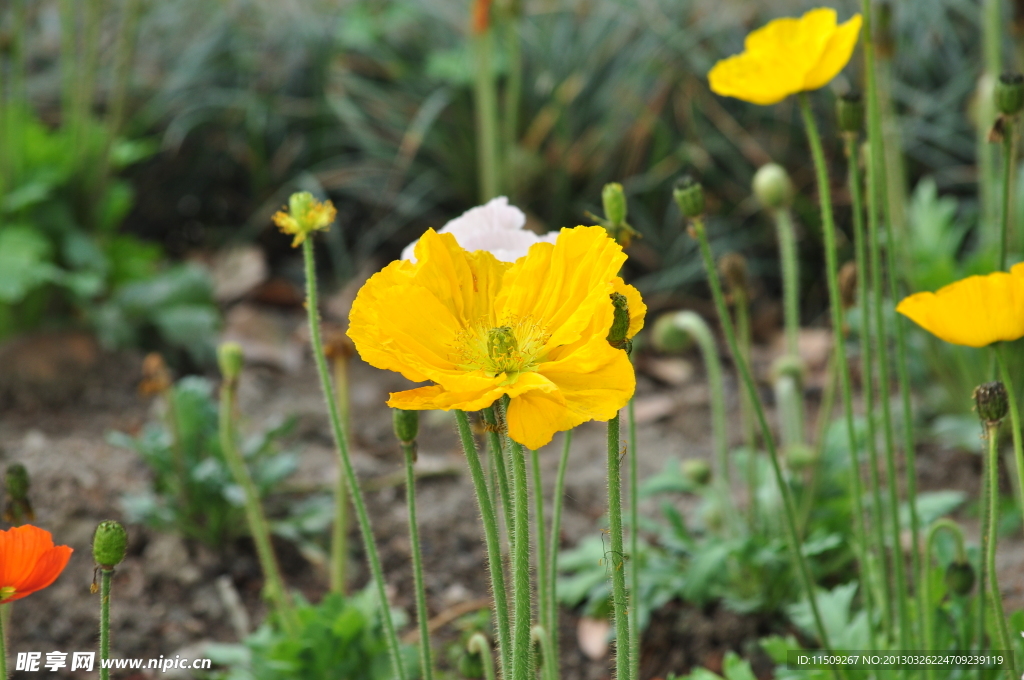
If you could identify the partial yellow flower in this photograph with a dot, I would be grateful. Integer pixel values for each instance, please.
(478, 328)
(787, 56)
(975, 311)
(305, 215)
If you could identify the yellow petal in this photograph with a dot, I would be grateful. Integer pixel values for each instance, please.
(975, 311)
(637, 308)
(468, 281)
(803, 38)
(437, 397)
(836, 54)
(535, 417)
(758, 79)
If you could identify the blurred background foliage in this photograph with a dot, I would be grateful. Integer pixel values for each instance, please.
(136, 134)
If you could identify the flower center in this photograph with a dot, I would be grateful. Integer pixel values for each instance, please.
(511, 348)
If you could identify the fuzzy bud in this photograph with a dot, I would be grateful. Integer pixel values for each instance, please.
(109, 544)
(960, 577)
(230, 358)
(848, 285)
(696, 470)
(614, 200)
(668, 337)
(773, 187)
(406, 423)
(992, 402)
(788, 365)
(620, 323)
(800, 456)
(689, 196)
(1010, 94)
(850, 112)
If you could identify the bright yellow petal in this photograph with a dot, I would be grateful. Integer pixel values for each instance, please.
(437, 397)
(975, 311)
(468, 281)
(758, 79)
(562, 287)
(637, 308)
(535, 417)
(836, 54)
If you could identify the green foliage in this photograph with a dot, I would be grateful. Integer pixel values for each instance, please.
(193, 491)
(341, 638)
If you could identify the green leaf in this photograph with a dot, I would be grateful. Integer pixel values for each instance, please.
(932, 505)
(25, 264)
(736, 668)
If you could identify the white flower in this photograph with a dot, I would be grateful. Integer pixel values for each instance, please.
(496, 227)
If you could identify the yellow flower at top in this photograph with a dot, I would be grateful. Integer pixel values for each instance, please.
(787, 56)
(478, 328)
(975, 311)
(305, 215)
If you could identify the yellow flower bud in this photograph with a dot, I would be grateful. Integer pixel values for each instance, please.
(305, 215)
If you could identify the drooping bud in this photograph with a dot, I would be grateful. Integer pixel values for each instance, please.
(800, 456)
(850, 112)
(733, 268)
(18, 508)
(230, 358)
(1010, 94)
(407, 425)
(848, 284)
(773, 187)
(992, 402)
(960, 577)
(109, 544)
(668, 337)
(696, 470)
(788, 365)
(689, 196)
(617, 334)
(614, 200)
(305, 215)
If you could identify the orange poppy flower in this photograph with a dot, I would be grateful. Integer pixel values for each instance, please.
(29, 561)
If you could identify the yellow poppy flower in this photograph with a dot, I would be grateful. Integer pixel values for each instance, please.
(975, 311)
(305, 215)
(787, 56)
(478, 328)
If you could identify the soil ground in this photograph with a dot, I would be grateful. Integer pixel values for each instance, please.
(172, 596)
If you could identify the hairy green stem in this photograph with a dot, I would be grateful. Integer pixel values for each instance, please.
(491, 540)
(542, 560)
(276, 592)
(548, 655)
(751, 390)
(349, 472)
(990, 525)
(556, 529)
(486, 116)
(1015, 424)
(522, 654)
(616, 558)
(790, 278)
(478, 644)
(422, 615)
(497, 453)
(105, 575)
(339, 529)
(1008, 161)
(634, 548)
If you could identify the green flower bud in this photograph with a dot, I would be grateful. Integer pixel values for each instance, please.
(1010, 94)
(800, 456)
(689, 196)
(620, 323)
(407, 424)
(696, 470)
(991, 401)
(850, 112)
(230, 358)
(960, 577)
(668, 337)
(17, 481)
(773, 187)
(109, 544)
(614, 200)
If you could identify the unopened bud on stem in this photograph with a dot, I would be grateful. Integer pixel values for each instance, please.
(992, 402)
(689, 196)
(620, 323)
(850, 112)
(773, 187)
(109, 544)
(230, 358)
(1010, 94)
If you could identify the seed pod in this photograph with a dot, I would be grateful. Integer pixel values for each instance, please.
(689, 196)
(109, 544)
(1010, 94)
(991, 401)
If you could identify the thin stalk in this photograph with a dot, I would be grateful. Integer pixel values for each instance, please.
(105, 575)
(349, 472)
(478, 644)
(497, 453)
(277, 594)
(751, 389)
(828, 402)
(513, 88)
(556, 528)
(1015, 424)
(990, 522)
(486, 116)
(874, 121)
(522, 654)
(789, 407)
(422, 615)
(961, 556)
(634, 548)
(742, 306)
(790, 279)
(494, 563)
(1008, 161)
(339, 530)
(542, 557)
(620, 604)
(835, 299)
(548, 655)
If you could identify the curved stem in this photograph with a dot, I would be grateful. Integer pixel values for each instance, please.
(990, 522)
(556, 529)
(478, 644)
(751, 390)
(522, 656)
(491, 540)
(616, 557)
(341, 444)
(961, 555)
(422, 615)
(105, 575)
